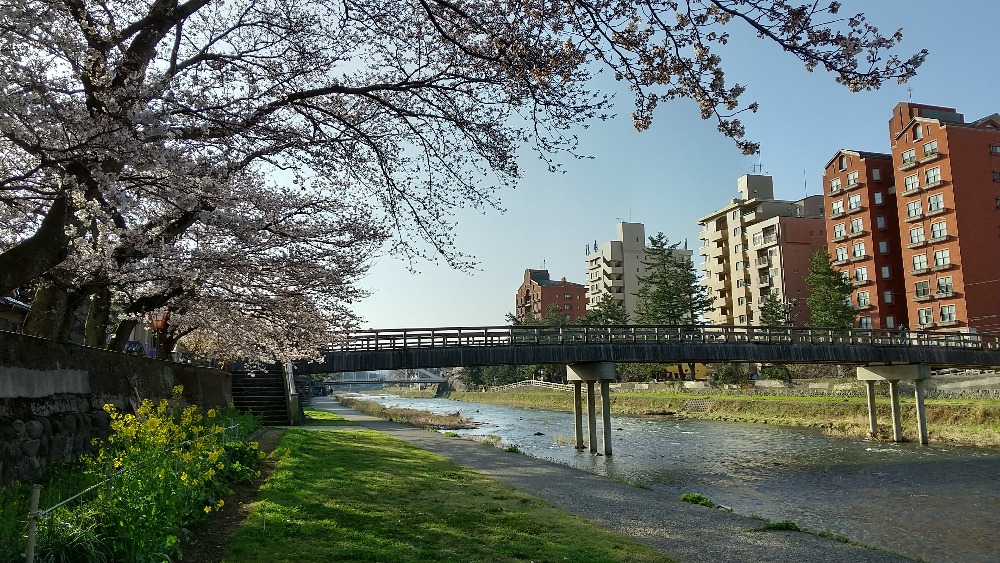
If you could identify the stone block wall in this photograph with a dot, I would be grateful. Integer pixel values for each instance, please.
(52, 396)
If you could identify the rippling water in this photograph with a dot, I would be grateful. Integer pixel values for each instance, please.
(939, 503)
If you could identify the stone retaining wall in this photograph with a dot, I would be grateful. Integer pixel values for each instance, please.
(52, 396)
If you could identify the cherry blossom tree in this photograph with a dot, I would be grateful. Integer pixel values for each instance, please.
(128, 129)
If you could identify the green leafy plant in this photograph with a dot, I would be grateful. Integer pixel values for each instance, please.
(696, 498)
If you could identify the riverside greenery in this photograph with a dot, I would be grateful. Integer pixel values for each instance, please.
(161, 470)
(362, 496)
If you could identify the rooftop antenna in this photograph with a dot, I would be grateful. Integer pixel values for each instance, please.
(805, 184)
(756, 168)
(910, 90)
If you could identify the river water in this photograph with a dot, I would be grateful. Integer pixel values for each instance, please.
(937, 503)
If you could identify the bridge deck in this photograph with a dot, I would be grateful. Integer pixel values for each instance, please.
(500, 345)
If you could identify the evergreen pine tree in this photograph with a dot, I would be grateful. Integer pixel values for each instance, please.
(829, 293)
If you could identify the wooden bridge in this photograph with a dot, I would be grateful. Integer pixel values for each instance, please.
(518, 345)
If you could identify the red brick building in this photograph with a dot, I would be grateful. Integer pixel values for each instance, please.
(537, 293)
(949, 215)
(864, 235)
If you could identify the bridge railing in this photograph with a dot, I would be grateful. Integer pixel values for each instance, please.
(405, 338)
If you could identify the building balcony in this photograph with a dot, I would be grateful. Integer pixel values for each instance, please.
(935, 240)
(930, 156)
(933, 184)
(941, 267)
(837, 214)
(839, 239)
(908, 164)
(944, 294)
(836, 191)
(840, 262)
(856, 234)
(912, 191)
(922, 298)
(947, 323)
(853, 186)
(918, 271)
(913, 218)
(859, 283)
(926, 325)
(933, 212)
(864, 307)
(857, 209)
(860, 258)
(763, 261)
(917, 244)
(764, 280)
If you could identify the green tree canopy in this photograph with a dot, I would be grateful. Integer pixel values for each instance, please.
(670, 292)
(774, 311)
(829, 293)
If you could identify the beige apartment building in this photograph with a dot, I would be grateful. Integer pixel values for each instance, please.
(757, 245)
(615, 267)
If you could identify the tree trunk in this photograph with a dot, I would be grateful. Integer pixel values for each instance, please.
(122, 333)
(95, 332)
(37, 254)
(48, 311)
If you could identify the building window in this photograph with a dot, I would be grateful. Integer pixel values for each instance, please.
(865, 322)
(914, 209)
(924, 316)
(944, 285)
(918, 132)
(916, 235)
(739, 265)
(854, 201)
(743, 319)
(567, 306)
(996, 178)
(861, 274)
(887, 297)
(842, 162)
(909, 156)
(935, 203)
(838, 230)
(942, 257)
(880, 222)
(947, 313)
(863, 300)
(857, 226)
(919, 262)
(911, 183)
(883, 247)
(922, 289)
(859, 249)
(930, 149)
(740, 282)
(741, 301)
(890, 321)
(886, 273)
(567, 296)
(738, 248)
(758, 239)
(876, 174)
(878, 198)
(841, 253)
(835, 185)
(939, 230)
(852, 178)
(994, 149)
(837, 207)
(932, 176)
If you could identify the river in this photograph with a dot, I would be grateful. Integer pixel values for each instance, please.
(937, 503)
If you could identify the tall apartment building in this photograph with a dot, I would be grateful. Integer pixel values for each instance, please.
(614, 268)
(757, 245)
(538, 292)
(865, 235)
(949, 215)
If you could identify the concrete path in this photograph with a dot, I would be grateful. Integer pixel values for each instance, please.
(680, 530)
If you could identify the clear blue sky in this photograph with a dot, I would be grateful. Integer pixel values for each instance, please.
(682, 168)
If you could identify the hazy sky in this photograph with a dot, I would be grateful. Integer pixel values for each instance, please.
(682, 168)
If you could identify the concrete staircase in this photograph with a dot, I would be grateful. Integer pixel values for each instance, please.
(263, 394)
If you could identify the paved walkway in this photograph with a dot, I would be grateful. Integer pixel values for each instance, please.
(680, 530)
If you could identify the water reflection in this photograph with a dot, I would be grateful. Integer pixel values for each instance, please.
(939, 503)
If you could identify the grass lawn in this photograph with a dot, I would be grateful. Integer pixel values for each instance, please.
(318, 417)
(364, 496)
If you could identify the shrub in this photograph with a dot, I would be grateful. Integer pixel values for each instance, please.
(696, 498)
(732, 374)
(776, 371)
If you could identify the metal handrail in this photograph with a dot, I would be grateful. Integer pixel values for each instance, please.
(406, 338)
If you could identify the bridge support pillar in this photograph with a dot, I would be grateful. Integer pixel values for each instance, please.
(591, 416)
(578, 413)
(893, 374)
(872, 424)
(592, 373)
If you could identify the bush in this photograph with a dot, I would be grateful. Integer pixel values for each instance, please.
(731, 374)
(166, 467)
(696, 498)
(776, 371)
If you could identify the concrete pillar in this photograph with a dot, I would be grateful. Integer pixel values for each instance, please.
(578, 413)
(897, 428)
(918, 392)
(606, 411)
(872, 425)
(591, 416)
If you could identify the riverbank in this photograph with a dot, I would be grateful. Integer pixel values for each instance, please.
(954, 421)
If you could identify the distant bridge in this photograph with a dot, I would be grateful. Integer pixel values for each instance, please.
(421, 376)
(519, 345)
